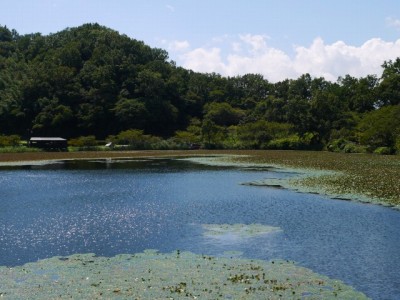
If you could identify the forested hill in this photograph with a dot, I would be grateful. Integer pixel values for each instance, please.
(91, 80)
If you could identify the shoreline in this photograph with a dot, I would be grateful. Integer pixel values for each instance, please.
(292, 183)
(307, 179)
(95, 285)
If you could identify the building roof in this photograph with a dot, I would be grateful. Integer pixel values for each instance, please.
(47, 139)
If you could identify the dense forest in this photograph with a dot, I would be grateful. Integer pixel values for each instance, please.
(92, 83)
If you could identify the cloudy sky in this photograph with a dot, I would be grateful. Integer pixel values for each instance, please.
(279, 39)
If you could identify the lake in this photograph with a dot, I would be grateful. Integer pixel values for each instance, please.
(110, 207)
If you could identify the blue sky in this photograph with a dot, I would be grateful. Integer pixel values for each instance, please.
(279, 39)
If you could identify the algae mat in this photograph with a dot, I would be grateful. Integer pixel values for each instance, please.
(151, 275)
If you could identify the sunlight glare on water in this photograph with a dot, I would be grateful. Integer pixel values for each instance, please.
(111, 208)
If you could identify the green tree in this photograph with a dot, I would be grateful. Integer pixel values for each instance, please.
(380, 128)
(389, 88)
(258, 134)
(54, 118)
(223, 114)
(360, 94)
(130, 113)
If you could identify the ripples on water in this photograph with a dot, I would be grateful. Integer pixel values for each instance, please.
(110, 208)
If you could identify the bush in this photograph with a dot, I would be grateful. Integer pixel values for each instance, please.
(397, 145)
(383, 151)
(336, 145)
(83, 141)
(292, 142)
(353, 148)
(134, 139)
(20, 149)
(10, 141)
(342, 145)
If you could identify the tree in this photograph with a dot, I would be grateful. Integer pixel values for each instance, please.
(223, 114)
(5, 34)
(134, 138)
(360, 94)
(54, 119)
(380, 128)
(211, 132)
(389, 88)
(258, 134)
(130, 113)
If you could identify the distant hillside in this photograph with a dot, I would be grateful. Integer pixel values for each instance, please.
(91, 80)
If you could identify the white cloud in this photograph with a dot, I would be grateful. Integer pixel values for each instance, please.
(257, 43)
(179, 46)
(339, 59)
(174, 46)
(204, 60)
(252, 54)
(391, 22)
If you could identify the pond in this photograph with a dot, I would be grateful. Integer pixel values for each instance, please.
(110, 207)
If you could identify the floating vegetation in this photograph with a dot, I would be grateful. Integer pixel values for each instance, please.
(227, 161)
(361, 177)
(365, 177)
(151, 275)
(236, 231)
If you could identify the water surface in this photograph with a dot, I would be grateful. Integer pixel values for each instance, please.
(112, 207)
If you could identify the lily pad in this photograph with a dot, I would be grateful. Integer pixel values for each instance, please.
(153, 275)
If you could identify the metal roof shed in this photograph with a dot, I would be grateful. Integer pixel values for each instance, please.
(55, 143)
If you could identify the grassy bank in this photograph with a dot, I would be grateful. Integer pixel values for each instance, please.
(366, 176)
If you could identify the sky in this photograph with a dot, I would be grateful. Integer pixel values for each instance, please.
(279, 39)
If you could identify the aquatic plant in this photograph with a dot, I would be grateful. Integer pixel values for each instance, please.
(364, 177)
(151, 275)
(372, 177)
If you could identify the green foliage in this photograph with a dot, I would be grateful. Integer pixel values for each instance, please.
(10, 141)
(346, 146)
(397, 145)
(389, 88)
(383, 151)
(83, 141)
(223, 114)
(380, 128)
(186, 138)
(212, 134)
(135, 139)
(92, 81)
(130, 113)
(258, 134)
(292, 142)
(20, 149)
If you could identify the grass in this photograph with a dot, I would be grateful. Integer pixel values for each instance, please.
(374, 177)
(19, 149)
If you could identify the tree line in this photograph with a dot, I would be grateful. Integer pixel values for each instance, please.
(91, 81)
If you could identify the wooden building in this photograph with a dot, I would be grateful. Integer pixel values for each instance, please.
(49, 143)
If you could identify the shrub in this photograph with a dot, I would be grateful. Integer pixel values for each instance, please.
(20, 149)
(10, 140)
(337, 145)
(383, 151)
(397, 145)
(353, 148)
(287, 143)
(83, 141)
(342, 145)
